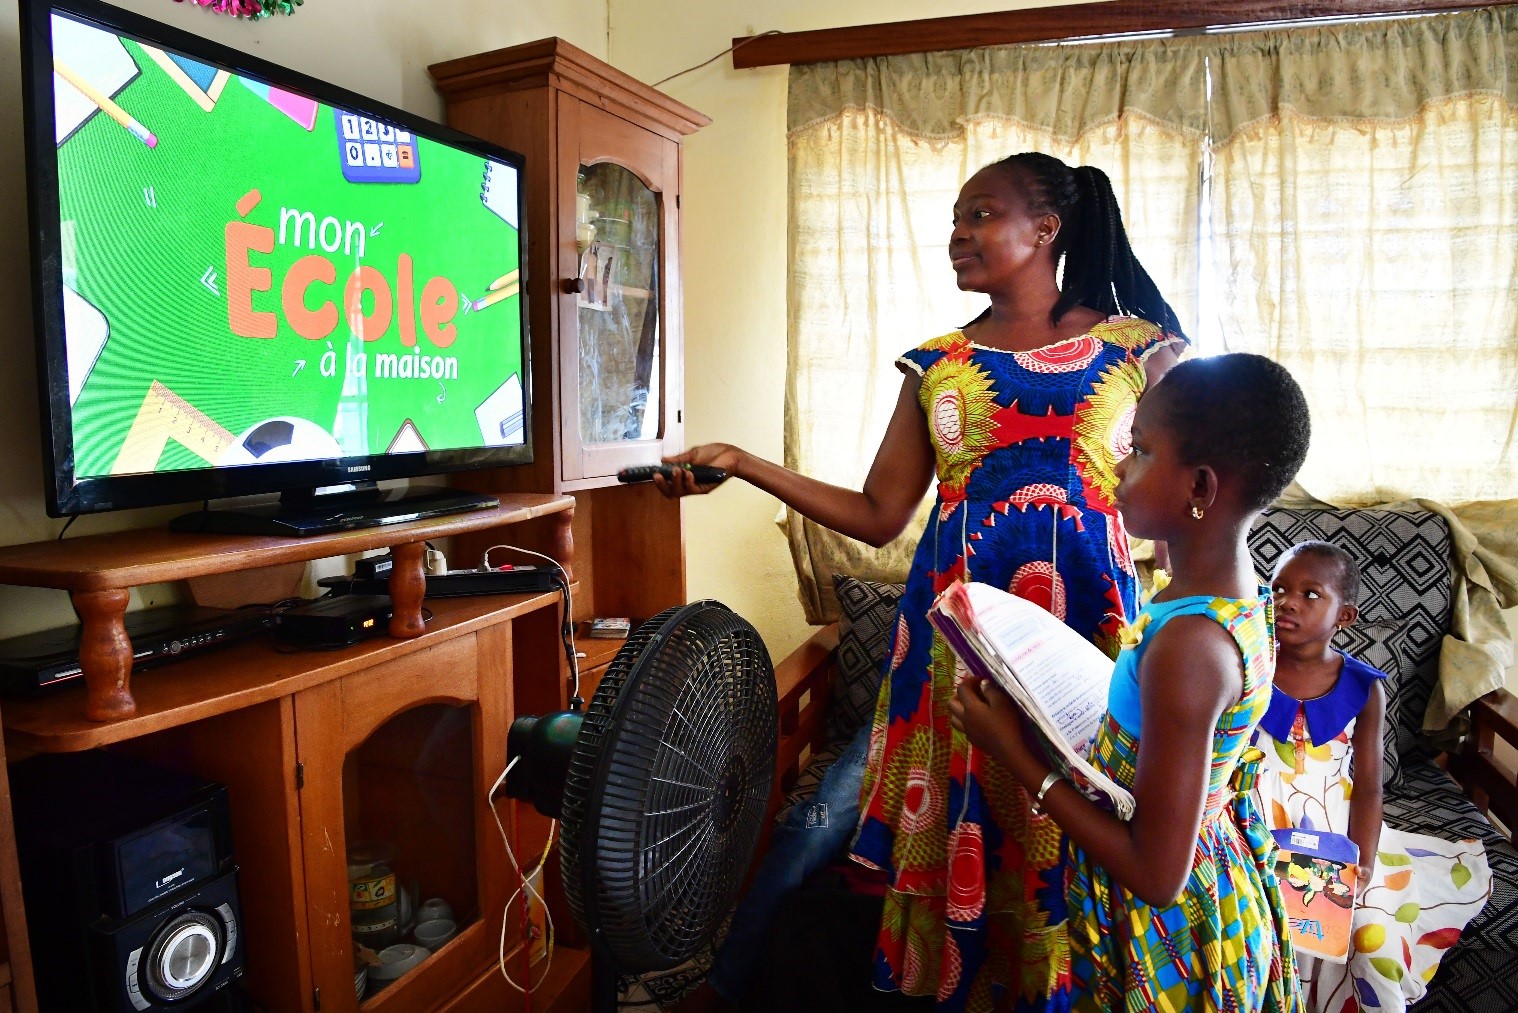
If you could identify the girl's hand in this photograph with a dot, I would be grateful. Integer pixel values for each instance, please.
(718, 455)
(993, 724)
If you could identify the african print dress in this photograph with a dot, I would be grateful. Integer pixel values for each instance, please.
(1423, 891)
(1025, 445)
(1222, 946)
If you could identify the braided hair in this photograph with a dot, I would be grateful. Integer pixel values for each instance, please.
(1101, 272)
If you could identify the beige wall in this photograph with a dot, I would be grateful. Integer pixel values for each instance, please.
(735, 242)
(735, 274)
(378, 48)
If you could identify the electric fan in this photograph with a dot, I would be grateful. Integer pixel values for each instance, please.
(661, 788)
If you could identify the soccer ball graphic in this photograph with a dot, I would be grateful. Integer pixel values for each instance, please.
(280, 440)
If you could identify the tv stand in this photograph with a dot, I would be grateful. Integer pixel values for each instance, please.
(303, 513)
(99, 571)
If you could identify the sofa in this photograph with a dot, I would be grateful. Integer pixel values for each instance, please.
(825, 687)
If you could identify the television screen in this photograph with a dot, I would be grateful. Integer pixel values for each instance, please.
(250, 281)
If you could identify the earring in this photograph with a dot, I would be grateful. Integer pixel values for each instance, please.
(1196, 512)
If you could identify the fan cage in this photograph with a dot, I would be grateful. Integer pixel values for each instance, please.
(668, 785)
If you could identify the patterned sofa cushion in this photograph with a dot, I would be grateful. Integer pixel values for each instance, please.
(1427, 801)
(1383, 646)
(864, 636)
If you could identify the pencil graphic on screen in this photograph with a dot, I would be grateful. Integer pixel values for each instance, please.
(496, 295)
(107, 106)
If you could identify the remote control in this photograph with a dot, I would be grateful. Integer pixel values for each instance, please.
(704, 474)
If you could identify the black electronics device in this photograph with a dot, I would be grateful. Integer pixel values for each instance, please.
(334, 622)
(130, 884)
(334, 512)
(702, 473)
(458, 583)
(36, 662)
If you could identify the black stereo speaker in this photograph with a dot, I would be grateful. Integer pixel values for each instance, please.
(130, 886)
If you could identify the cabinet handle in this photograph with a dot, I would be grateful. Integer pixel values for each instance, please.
(574, 286)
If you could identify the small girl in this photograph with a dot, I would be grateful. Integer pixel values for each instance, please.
(1178, 908)
(1324, 721)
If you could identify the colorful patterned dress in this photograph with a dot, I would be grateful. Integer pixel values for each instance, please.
(1025, 445)
(1423, 892)
(1222, 946)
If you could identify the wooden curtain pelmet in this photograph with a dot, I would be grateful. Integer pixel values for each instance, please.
(1053, 24)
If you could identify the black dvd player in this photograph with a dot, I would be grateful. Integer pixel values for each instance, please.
(37, 662)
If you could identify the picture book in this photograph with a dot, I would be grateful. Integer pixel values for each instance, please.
(1318, 871)
(1057, 677)
(610, 628)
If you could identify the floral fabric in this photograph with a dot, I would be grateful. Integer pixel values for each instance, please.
(1423, 891)
(1025, 445)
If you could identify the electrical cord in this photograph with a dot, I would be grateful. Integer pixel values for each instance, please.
(526, 891)
(576, 702)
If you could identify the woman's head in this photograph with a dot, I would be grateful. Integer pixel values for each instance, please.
(1074, 213)
(1315, 585)
(1226, 433)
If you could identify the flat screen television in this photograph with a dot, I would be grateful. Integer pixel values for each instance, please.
(250, 281)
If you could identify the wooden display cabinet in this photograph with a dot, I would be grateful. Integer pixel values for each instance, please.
(603, 179)
(396, 739)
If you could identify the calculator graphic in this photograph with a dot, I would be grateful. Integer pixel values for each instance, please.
(375, 152)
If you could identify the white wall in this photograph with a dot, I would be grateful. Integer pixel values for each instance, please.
(378, 48)
(735, 271)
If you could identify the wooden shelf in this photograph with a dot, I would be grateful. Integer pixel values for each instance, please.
(239, 676)
(131, 558)
(566, 989)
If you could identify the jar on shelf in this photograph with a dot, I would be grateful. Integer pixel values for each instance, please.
(373, 895)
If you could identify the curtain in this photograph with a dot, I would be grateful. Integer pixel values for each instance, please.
(1365, 232)
(877, 151)
(1348, 196)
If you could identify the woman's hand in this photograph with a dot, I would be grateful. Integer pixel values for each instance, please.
(993, 724)
(717, 455)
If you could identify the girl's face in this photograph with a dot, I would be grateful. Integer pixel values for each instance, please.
(1309, 605)
(1154, 487)
(995, 238)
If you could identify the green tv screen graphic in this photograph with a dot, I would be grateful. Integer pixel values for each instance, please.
(251, 276)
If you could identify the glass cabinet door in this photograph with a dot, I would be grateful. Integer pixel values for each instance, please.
(619, 332)
(617, 239)
(408, 819)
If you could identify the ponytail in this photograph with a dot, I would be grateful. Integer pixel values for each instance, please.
(1101, 271)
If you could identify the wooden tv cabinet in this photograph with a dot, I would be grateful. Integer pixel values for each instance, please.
(398, 738)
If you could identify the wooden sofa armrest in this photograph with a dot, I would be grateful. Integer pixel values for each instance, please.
(1485, 764)
(804, 684)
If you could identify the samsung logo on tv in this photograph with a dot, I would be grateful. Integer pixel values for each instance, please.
(357, 468)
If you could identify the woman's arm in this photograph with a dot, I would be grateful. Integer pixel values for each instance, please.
(1365, 799)
(1189, 674)
(892, 491)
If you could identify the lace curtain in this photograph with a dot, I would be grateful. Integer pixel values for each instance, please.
(1363, 230)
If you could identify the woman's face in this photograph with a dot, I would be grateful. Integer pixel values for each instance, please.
(995, 238)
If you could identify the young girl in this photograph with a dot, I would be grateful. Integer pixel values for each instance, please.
(1416, 893)
(1178, 908)
(1022, 415)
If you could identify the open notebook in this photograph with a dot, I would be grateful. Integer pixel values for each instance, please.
(1057, 677)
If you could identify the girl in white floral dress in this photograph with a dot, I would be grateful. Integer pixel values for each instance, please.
(1326, 714)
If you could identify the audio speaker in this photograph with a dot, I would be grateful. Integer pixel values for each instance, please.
(130, 884)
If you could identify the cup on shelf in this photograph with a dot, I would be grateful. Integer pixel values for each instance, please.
(433, 907)
(395, 961)
(435, 932)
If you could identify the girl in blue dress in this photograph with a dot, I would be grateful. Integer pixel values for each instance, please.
(1178, 908)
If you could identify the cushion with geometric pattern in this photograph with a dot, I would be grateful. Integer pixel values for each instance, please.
(1383, 646)
(864, 637)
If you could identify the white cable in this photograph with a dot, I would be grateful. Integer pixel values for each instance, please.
(569, 605)
(525, 891)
